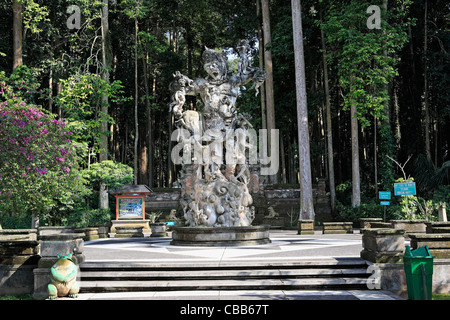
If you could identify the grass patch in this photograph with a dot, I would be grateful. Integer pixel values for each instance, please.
(17, 297)
(441, 296)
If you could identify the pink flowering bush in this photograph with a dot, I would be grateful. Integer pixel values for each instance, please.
(38, 163)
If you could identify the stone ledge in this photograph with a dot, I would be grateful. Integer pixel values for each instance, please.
(367, 222)
(382, 232)
(18, 234)
(337, 227)
(221, 236)
(383, 245)
(305, 226)
(381, 257)
(438, 243)
(410, 226)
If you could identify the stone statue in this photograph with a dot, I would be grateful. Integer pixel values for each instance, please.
(272, 213)
(63, 278)
(215, 192)
(172, 215)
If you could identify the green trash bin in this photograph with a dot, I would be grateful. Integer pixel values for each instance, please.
(418, 265)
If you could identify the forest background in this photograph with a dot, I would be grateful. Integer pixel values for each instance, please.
(85, 92)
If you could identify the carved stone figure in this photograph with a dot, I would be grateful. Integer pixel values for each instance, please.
(215, 192)
(63, 278)
(272, 213)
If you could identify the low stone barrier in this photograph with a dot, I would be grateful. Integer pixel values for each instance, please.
(438, 227)
(129, 232)
(158, 229)
(18, 234)
(103, 231)
(382, 245)
(337, 227)
(410, 226)
(438, 243)
(381, 225)
(44, 231)
(18, 258)
(222, 236)
(51, 245)
(130, 223)
(305, 226)
(366, 223)
(90, 233)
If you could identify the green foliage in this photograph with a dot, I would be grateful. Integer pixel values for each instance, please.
(112, 174)
(17, 221)
(386, 148)
(93, 218)
(366, 57)
(34, 14)
(366, 210)
(24, 83)
(428, 176)
(82, 99)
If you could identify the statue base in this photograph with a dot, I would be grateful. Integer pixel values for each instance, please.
(220, 236)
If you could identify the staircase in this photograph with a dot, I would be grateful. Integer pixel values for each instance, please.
(329, 274)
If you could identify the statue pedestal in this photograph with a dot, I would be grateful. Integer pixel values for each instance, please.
(220, 236)
(130, 224)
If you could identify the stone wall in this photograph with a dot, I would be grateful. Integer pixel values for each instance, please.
(19, 251)
(285, 202)
(384, 249)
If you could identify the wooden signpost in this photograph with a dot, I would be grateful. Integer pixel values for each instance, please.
(384, 195)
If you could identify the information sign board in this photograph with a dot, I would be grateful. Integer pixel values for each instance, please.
(130, 207)
(384, 195)
(405, 188)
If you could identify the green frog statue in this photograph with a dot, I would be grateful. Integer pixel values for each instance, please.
(63, 278)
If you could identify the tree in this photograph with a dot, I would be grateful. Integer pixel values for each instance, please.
(107, 175)
(17, 33)
(106, 60)
(135, 10)
(307, 206)
(366, 65)
(329, 129)
(38, 160)
(268, 67)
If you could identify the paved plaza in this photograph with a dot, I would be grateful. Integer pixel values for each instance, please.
(286, 246)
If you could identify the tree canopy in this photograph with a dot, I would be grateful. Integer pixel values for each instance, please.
(79, 91)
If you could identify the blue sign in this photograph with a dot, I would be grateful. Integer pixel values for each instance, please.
(384, 195)
(385, 203)
(405, 188)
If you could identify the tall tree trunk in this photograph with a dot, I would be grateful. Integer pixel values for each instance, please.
(136, 97)
(106, 60)
(356, 181)
(17, 34)
(270, 102)
(425, 78)
(169, 150)
(261, 64)
(306, 202)
(283, 160)
(149, 124)
(330, 152)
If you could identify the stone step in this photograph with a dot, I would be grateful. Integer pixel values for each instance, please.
(342, 262)
(339, 273)
(232, 284)
(223, 274)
